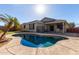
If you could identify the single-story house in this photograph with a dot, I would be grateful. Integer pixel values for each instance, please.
(46, 25)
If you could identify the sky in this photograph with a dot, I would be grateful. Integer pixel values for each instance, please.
(29, 12)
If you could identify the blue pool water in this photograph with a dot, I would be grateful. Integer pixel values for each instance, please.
(36, 41)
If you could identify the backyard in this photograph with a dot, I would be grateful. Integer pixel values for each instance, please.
(13, 41)
(63, 47)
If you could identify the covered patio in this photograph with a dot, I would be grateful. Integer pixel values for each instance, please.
(56, 26)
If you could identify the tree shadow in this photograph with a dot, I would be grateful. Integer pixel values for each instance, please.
(5, 42)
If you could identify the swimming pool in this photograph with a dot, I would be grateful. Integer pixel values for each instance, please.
(37, 41)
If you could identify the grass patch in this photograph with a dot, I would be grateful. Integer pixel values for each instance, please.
(10, 32)
(1, 31)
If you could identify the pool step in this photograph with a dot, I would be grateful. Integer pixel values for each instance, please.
(47, 44)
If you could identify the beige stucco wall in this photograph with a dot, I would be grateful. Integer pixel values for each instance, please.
(36, 26)
(66, 27)
(26, 27)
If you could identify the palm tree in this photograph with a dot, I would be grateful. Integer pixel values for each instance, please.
(9, 22)
(16, 25)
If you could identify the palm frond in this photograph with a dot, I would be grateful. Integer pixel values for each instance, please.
(4, 18)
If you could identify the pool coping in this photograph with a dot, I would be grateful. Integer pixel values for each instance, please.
(43, 34)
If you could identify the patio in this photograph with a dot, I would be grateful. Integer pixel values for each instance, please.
(64, 47)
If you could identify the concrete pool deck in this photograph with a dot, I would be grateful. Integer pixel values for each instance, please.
(63, 47)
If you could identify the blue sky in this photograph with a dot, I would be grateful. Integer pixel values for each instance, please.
(26, 12)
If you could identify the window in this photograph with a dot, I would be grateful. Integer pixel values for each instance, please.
(24, 26)
(31, 26)
(60, 26)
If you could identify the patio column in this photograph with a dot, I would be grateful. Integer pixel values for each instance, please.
(35, 27)
(55, 28)
(48, 28)
(63, 27)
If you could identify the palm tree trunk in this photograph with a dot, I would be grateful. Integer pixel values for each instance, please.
(9, 25)
(2, 36)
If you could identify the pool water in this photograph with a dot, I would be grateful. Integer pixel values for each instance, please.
(37, 41)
